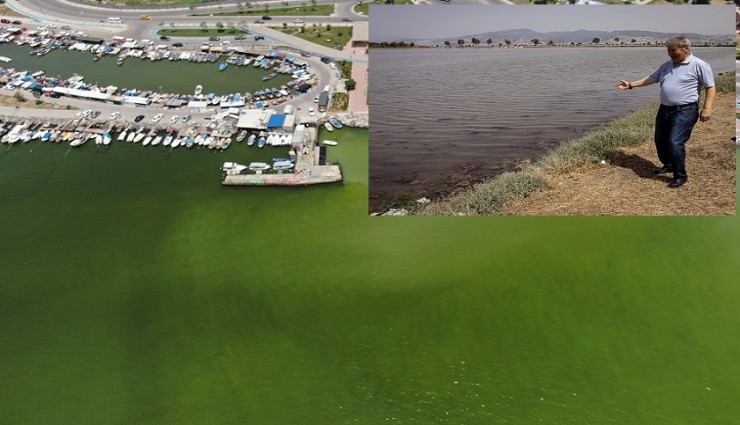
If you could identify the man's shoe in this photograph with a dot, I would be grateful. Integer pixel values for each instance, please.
(678, 182)
(663, 170)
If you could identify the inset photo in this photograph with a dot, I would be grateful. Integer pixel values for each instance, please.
(495, 110)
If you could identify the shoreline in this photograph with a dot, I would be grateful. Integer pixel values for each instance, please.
(596, 147)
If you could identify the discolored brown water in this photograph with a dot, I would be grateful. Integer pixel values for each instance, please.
(443, 119)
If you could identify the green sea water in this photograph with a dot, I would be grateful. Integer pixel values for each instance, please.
(162, 76)
(137, 289)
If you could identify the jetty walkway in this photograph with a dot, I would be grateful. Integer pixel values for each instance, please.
(307, 171)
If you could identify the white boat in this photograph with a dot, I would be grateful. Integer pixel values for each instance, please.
(121, 135)
(5, 59)
(330, 142)
(328, 126)
(130, 137)
(106, 139)
(259, 166)
(147, 140)
(139, 135)
(198, 89)
(242, 134)
(168, 140)
(282, 165)
(98, 139)
(251, 140)
(156, 140)
(233, 168)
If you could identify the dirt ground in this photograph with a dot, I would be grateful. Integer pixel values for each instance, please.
(29, 103)
(625, 185)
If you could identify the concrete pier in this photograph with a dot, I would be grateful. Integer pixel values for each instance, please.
(307, 171)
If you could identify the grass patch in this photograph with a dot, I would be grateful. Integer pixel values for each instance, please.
(334, 36)
(488, 198)
(339, 102)
(318, 10)
(364, 8)
(345, 67)
(200, 32)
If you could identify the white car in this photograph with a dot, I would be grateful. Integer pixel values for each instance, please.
(157, 117)
(316, 99)
(114, 115)
(298, 20)
(174, 119)
(311, 111)
(87, 113)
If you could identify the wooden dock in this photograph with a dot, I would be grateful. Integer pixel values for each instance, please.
(307, 171)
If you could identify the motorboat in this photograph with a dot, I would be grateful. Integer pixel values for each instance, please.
(336, 123)
(242, 134)
(330, 142)
(328, 126)
(283, 165)
(106, 139)
(222, 66)
(198, 89)
(259, 166)
(251, 140)
(261, 142)
(233, 168)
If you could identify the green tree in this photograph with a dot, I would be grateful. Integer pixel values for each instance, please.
(447, 43)
(596, 40)
(461, 42)
(350, 84)
(475, 41)
(550, 43)
(220, 26)
(535, 41)
(508, 42)
(489, 42)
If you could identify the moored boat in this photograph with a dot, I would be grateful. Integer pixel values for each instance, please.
(336, 123)
(259, 166)
(330, 142)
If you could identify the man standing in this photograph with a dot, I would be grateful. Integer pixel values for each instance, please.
(680, 81)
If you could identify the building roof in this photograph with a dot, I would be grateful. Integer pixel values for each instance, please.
(254, 118)
(360, 31)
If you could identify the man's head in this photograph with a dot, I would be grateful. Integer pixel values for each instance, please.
(679, 48)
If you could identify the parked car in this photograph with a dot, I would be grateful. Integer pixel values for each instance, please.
(240, 37)
(176, 44)
(157, 117)
(266, 18)
(186, 118)
(66, 27)
(5, 21)
(165, 38)
(138, 118)
(311, 111)
(298, 20)
(346, 20)
(325, 59)
(174, 119)
(145, 17)
(16, 22)
(214, 38)
(114, 115)
(258, 37)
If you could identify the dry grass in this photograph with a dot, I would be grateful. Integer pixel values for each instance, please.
(626, 184)
(30, 102)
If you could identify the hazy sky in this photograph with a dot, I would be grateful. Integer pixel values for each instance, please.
(389, 23)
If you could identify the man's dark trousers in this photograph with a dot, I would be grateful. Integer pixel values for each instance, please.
(673, 126)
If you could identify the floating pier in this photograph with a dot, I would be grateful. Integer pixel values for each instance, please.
(307, 171)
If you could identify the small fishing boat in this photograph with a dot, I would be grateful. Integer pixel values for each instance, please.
(330, 142)
(131, 136)
(251, 140)
(336, 123)
(106, 139)
(121, 135)
(261, 142)
(328, 126)
(222, 66)
(198, 89)
(242, 134)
